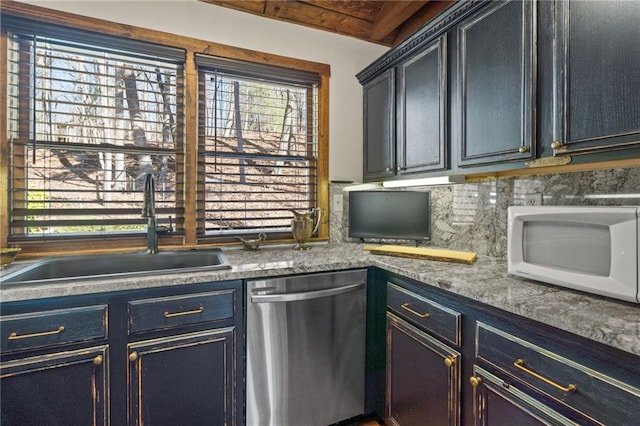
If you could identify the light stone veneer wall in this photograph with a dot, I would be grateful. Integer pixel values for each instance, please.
(473, 216)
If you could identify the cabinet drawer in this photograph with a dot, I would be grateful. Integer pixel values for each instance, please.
(425, 313)
(593, 394)
(50, 328)
(168, 312)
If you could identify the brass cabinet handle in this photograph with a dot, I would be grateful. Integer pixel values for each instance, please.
(97, 360)
(133, 356)
(180, 314)
(418, 314)
(523, 149)
(475, 381)
(556, 145)
(450, 361)
(16, 336)
(519, 364)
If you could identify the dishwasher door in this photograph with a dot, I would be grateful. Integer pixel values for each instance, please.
(306, 349)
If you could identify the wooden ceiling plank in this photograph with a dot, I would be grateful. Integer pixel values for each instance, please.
(302, 13)
(421, 17)
(327, 20)
(376, 21)
(362, 9)
(255, 7)
(273, 8)
(392, 15)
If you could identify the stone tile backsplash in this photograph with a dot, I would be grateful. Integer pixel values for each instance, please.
(473, 216)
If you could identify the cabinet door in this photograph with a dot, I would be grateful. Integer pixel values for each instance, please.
(188, 379)
(495, 85)
(422, 101)
(423, 377)
(63, 388)
(598, 77)
(497, 403)
(379, 127)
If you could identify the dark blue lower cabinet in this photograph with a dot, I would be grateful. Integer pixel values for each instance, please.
(496, 368)
(59, 388)
(183, 380)
(497, 403)
(166, 356)
(423, 377)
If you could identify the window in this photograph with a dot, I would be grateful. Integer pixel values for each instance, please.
(89, 116)
(258, 146)
(92, 107)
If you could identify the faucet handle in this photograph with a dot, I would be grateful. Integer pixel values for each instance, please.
(166, 229)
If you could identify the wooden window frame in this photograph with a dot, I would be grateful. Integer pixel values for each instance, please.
(192, 47)
(264, 210)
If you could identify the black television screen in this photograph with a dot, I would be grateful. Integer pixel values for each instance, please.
(389, 214)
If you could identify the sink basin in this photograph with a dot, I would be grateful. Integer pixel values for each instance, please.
(123, 264)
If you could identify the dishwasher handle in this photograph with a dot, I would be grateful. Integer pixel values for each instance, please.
(306, 295)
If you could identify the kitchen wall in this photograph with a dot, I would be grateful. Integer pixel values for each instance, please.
(473, 216)
(345, 55)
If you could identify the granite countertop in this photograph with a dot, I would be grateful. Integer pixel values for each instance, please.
(604, 320)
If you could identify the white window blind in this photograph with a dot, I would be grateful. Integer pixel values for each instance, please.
(89, 116)
(258, 148)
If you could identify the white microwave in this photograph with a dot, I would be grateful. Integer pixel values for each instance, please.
(592, 249)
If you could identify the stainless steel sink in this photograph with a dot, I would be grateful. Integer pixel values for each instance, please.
(124, 264)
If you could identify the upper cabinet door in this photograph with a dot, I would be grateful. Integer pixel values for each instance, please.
(422, 103)
(379, 127)
(495, 85)
(597, 76)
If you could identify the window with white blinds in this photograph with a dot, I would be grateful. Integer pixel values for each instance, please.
(257, 148)
(88, 117)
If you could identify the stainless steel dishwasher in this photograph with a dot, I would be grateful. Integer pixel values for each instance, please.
(306, 349)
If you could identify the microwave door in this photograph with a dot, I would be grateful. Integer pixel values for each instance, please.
(568, 246)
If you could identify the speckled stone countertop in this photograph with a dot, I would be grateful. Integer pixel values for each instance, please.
(604, 320)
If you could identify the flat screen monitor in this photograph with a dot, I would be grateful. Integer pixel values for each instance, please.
(389, 214)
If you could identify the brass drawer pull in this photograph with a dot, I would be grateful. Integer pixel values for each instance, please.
(16, 336)
(180, 314)
(418, 314)
(519, 364)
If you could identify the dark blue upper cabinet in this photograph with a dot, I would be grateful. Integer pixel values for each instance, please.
(492, 86)
(596, 76)
(379, 127)
(494, 106)
(422, 103)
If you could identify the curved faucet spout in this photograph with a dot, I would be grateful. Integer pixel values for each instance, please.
(149, 211)
(149, 201)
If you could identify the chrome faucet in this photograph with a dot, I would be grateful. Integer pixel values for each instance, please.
(149, 211)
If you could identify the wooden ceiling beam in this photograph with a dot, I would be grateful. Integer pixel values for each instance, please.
(392, 15)
(428, 12)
